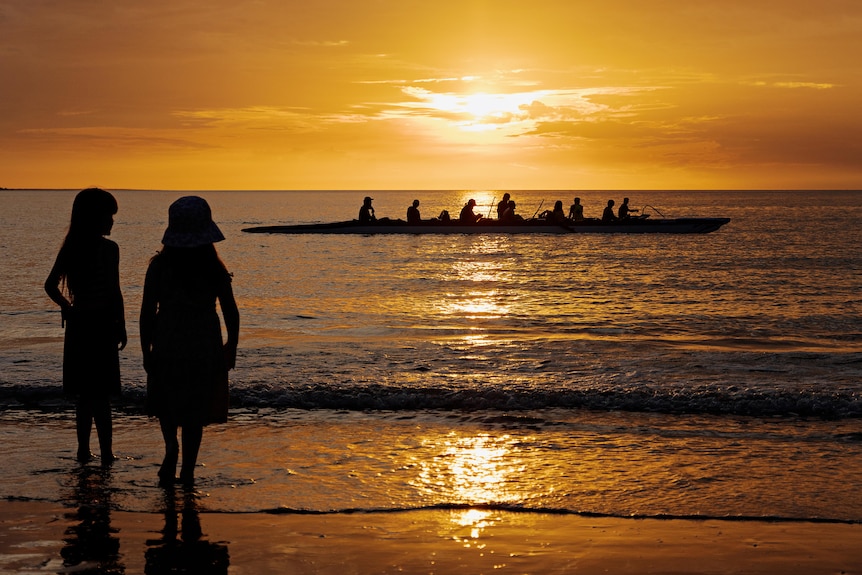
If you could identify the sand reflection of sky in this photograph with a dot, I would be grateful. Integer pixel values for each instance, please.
(475, 521)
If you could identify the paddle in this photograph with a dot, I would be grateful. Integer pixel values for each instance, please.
(537, 209)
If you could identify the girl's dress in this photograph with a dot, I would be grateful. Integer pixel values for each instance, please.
(91, 361)
(188, 379)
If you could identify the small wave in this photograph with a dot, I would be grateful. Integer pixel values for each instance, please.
(705, 400)
(348, 396)
(500, 507)
(508, 508)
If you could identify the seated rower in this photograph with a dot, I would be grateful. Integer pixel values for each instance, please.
(503, 205)
(608, 214)
(624, 210)
(555, 216)
(467, 216)
(576, 211)
(509, 216)
(366, 212)
(413, 215)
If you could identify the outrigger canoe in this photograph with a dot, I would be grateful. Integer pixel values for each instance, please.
(638, 225)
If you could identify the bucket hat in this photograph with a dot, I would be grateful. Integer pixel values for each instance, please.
(190, 224)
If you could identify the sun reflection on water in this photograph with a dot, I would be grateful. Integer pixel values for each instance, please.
(477, 304)
(474, 520)
(476, 469)
(477, 280)
(471, 469)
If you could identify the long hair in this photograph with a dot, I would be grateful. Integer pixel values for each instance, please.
(89, 211)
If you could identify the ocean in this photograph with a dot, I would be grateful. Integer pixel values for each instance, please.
(706, 376)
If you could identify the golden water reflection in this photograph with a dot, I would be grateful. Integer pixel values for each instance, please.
(475, 521)
(474, 470)
(477, 279)
(471, 469)
(476, 304)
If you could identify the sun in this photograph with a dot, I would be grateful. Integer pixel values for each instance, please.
(477, 111)
(489, 105)
(492, 111)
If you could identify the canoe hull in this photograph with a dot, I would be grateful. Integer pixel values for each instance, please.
(635, 226)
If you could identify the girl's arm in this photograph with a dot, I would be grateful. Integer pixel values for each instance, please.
(52, 286)
(147, 319)
(119, 306)
(229, 310)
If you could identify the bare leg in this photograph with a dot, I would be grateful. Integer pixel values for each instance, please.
(104, 428)
(192, 435)
(172, 451)
(83, 424)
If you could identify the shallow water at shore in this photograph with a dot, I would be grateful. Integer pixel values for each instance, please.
(614, 464)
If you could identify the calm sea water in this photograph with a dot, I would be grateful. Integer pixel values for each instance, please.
(684, 375)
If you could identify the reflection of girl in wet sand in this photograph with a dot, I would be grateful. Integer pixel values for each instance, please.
(185, 359)
(183, 547)
(85, 283)
(92, 544)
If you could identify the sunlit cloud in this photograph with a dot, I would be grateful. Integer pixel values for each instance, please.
(795, 85)
(514, 113)
(321, 43)
(111, 138)
(266, 118)
(811, 85)
(405, 81)
(73, 113)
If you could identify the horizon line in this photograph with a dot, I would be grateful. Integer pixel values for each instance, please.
(73, 189)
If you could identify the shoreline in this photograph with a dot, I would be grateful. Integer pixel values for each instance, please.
(36, 536)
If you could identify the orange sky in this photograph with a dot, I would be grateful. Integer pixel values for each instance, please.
(406, 94)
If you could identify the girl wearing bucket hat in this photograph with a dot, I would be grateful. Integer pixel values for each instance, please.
(185, 358)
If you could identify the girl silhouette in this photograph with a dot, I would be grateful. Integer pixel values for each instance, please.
(85, 283)
(184, 356)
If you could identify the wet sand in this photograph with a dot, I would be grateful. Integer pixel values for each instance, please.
(35, 537)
